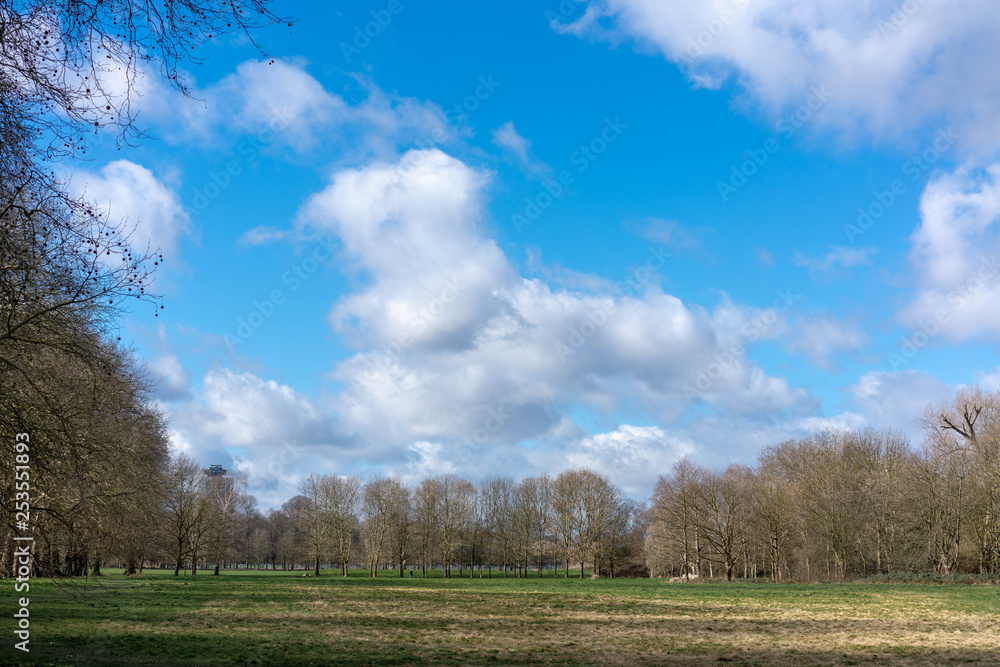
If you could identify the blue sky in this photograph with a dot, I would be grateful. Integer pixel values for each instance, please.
(604, 233)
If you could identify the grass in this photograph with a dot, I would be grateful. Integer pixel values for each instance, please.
(275, 618)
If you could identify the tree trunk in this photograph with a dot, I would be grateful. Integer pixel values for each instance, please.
(8, 567)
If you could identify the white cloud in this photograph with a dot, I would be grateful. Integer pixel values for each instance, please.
(955, 252)
(676, 236)
(990, 381)
(764, 256)
(271, 432)
(889, 69)
(263, 235)
(819, 338)
(279, 104)
(839, 257)
(898, 399)
(507, 138)
(174, 381)
(449, 329)
(278, 94)
(129, 192)
(633, 456)
(465, 366)
(724, 439)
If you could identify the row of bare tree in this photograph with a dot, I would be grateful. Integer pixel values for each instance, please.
(576, 517)
(834, 506)
(841, 505)
(96, 449)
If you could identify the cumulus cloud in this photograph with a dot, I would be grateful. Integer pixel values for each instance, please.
(956, 250)
(174, 381)
(130, 193)
(897, 71)
(448, 330)
(819, 338)
(724, 439)
(464, 365)
(890, 67)
(271, 432)
(633, 456)
(278, 104)
(897, 399)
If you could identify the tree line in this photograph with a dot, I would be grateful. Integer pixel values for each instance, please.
(841, 505)
(93, 448)
(501, 527)
(835, 506)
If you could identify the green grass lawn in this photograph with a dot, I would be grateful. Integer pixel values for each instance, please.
(275, 618)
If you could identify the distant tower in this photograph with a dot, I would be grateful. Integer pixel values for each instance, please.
(218, 477)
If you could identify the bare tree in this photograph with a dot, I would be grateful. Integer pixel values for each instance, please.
(383, 500)
(427, 500)
(314, 515)
(724, 520)
(69, 69)
(565, 490)
(187, 505)
(970, 428)
(674, 508)
(401, 524)
(343, 497)
(535, 494)
(455, 504)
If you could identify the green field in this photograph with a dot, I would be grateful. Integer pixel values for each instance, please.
(275, 618)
